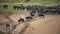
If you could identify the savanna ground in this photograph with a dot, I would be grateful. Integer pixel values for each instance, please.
(48, 25)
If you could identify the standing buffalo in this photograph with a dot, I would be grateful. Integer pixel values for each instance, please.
(21, 20)
(29, 18)
(29, 8)
(5, 7)
(15, 7)
(40, 12)
(32, 13)
(21, 7)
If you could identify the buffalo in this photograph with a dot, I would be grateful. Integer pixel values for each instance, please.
(5, 7)
(29, 18)
(21, 20)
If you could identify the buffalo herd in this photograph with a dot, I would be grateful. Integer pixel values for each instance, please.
(39, 10)
(42, 10)
(45, 9)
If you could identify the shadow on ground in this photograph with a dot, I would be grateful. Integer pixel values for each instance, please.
(2, 32)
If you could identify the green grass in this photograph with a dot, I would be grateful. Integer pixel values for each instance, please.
(11, 3)
(34, 1)
(10, 6)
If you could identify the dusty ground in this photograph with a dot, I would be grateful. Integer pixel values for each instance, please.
(48, 25)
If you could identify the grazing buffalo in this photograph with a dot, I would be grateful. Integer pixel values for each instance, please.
(41, 15)
(19, 7)
(5, 7)
(29, 8)
(21, 20)
(29, 18)
(32, 13)
(22, 8)
(14, 7)
(40, 12)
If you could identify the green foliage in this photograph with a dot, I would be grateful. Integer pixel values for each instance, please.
(11, 3)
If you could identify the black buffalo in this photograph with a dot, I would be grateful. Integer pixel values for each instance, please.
(29, 18)
(21, 20)
(5, 7)
(29, 8)
(40, 12)
(14, 7)
(19, 7)
(41, 15)
(32, 13)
